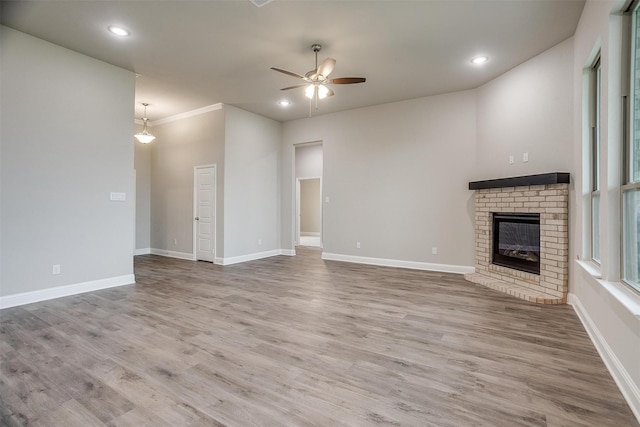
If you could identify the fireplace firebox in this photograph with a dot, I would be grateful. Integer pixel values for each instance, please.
(516, 241)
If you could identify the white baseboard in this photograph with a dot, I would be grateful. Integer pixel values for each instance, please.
(446, 268)
(225, 261)
(14, 300)
(142, 251)
(172, 254)
(620, 375)
(254, 256)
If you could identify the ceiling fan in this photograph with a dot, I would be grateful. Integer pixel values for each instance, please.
(318, 78)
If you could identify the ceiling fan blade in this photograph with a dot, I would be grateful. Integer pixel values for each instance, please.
(293, 87)
(330, 93)
(287, 72)
(347, 80)
(326, 67)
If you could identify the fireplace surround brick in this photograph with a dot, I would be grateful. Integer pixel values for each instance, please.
(551, 202)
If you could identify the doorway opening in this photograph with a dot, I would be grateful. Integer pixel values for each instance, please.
(309, 198)
(308, 172)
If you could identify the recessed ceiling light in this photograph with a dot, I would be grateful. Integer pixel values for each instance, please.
(479, 60)
(284, 103)
(118, 31)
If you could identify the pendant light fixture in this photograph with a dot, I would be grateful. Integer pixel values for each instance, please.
(144, 137)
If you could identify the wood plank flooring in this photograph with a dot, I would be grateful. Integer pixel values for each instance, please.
(296, 341)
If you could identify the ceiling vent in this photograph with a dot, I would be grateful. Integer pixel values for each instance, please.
(260, 3)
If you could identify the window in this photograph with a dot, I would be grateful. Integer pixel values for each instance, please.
(595, 160)
(631, 170)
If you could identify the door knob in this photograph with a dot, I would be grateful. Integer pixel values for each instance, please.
(197, 218)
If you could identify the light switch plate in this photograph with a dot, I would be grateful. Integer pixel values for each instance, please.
(118, 197)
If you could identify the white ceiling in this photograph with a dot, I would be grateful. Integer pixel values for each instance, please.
(191, 54)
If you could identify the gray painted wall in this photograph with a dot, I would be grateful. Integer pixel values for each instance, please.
(244, 147)
(252, 183)
(397, 174)
(66, 144)
(308, 158)
(180, 146)
(527, 110)
(396, 177)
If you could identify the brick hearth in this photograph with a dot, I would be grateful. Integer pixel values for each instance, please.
(551, 202)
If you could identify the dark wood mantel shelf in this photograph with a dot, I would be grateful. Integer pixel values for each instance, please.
(522, 181)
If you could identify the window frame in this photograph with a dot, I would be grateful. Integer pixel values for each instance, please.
(628, 106)
(595, 144)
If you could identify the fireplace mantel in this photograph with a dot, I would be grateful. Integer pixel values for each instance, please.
(522, 181)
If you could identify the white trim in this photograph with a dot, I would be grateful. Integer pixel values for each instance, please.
(590, 267)
(625, 296)
(254, 256)
(134, 197)
(142, 251)
(414, 265)
(296, 240)
(172, 254)
(187, 114)
(625, 383)
(64, 291)
(307, 144)
(621, 292)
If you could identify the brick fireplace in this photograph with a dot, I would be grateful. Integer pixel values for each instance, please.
(546, 195)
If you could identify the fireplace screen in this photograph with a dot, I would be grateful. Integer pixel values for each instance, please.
(516, 241)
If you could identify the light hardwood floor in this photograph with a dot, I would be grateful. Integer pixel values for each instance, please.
(299, 341)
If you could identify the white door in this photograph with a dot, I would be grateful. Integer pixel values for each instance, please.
(205, 179)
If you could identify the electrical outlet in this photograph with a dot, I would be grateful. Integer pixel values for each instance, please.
(525, 157)
(259, 241)
(175, 241)
(326, 199)
(434, 251)
(56, 268)
(357, 245)
(511, 161)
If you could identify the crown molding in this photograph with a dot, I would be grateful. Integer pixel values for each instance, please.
(181, 116)
(187, 114)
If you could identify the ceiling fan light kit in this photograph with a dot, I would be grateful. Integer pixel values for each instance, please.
(317, 79)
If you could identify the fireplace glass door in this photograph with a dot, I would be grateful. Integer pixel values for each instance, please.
(516, 241)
